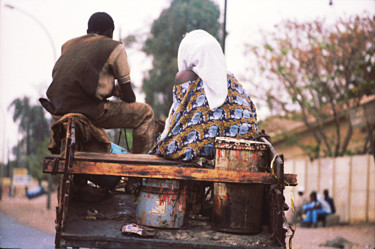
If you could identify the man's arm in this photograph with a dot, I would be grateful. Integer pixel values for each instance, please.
(122, 74)
(125, 92)
(184, 76)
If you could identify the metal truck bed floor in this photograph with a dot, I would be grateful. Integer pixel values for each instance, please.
(119, 210)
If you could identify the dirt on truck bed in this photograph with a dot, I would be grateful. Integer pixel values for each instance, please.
(120, 210)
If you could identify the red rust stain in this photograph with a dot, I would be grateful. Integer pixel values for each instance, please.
(163, 198)
(255, 156)
(218, 205)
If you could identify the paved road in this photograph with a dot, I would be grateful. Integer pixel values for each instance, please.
(15, 235)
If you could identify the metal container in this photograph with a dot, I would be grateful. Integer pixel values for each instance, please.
(109, 182)
(161, 203)
(238, 207)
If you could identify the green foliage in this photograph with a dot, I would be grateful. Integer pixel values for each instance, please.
(162, 44)
(268, 47)
(32, 123)
(32, 147)
(312, 150)
(126, 139)
(129, 40)
(290, 139)
(35, 160)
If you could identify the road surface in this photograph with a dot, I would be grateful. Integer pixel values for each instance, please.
(15, 235)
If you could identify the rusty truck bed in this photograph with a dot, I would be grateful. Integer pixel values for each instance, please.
(119, 210)
(73, 230)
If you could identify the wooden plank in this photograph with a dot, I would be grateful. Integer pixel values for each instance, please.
(123, 158)
(121, 168)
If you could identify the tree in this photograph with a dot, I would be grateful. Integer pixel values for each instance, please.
(34, 126)
(22, 113)
(162, 44)
(321, 73)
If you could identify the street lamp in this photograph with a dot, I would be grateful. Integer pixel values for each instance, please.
(54, 57)
(39, 23)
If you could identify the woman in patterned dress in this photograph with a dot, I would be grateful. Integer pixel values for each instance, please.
(208, 102)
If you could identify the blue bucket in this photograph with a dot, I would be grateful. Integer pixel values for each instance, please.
(161, 203)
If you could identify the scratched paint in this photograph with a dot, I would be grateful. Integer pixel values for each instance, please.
(161, 203)
(241, 155)
(238, 207)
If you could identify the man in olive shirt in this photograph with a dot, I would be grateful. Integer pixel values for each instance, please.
(83, 79)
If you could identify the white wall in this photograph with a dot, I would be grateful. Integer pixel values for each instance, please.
(350, 181)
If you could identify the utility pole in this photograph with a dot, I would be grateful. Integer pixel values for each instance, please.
(225, 25)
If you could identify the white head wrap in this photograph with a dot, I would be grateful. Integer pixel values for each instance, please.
(201, 52)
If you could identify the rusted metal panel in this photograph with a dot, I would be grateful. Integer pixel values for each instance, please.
(238, 207)
(241, 155)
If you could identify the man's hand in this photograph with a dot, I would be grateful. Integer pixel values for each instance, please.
(124, 92)
(117, 91)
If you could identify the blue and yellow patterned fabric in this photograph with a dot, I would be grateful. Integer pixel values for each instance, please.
(194, 126)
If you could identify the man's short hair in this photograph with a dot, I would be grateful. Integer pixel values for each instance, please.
(100, 22)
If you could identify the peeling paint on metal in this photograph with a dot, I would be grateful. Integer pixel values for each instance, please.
(162, 203)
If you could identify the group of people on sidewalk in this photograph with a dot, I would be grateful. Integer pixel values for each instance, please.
(309, 212)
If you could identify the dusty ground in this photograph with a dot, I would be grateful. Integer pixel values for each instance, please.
(34, 213)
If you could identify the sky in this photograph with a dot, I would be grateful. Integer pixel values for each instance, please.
(31, 35)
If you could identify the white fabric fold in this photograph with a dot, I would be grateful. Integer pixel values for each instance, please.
(201, 52)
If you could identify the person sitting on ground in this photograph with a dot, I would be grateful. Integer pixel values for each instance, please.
(313, 209)
(208, 102)
(330, 201)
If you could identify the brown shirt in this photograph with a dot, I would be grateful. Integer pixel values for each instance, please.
(84, 74)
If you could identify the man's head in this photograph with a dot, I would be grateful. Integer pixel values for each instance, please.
(313, 196)
(102, 24)
(301, 190)
(325, 192)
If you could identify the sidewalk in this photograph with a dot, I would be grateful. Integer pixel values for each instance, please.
(358, 235)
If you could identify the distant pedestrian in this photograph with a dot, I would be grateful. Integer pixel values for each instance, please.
(313, 209)
(330, 201)
(299, 202)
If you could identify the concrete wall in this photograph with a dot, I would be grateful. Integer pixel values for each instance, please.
(350, 181)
